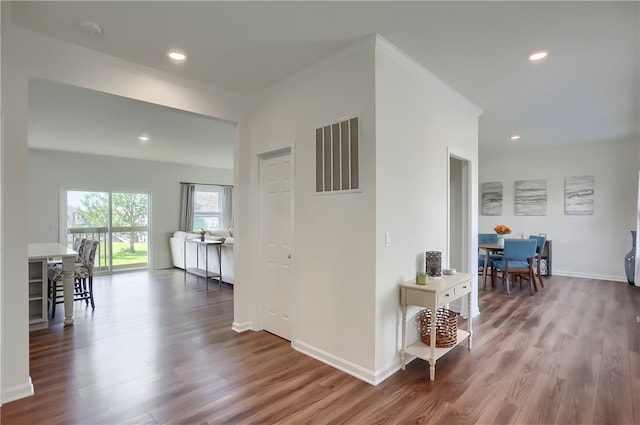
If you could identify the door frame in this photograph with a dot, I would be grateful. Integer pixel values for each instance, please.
(468, 245)
(260, 292)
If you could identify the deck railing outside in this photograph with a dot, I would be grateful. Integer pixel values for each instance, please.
(101, 234)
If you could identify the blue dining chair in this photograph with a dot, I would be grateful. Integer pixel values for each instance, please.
(542, 240)
(487, 238)
(518, 258)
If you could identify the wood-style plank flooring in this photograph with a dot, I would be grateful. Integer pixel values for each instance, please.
(159, 351)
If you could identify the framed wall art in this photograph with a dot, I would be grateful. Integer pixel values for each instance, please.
(531, 197)
(491, 198)
(578, 195)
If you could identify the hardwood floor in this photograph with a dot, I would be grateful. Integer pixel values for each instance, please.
(159, 351)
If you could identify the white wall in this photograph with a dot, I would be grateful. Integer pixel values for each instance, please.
(334, 263)
(418, 118)
(586, 246)
(1, 206)
(27, 55)
(637, 274)
(50, 172)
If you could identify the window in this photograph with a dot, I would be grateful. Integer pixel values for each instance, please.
(118, 220)
(207, 207)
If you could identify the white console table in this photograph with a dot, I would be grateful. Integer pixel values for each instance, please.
(200, 271)
(435, 294)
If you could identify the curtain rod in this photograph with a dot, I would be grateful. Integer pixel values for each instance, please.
(208, 184)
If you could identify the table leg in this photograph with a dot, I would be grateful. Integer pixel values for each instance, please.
(470, 342)
(184, 254)
(68, 263)
(432, 359)
(206, 266)
(219, 246)
(484, 269)
(532, 278)
(432, 369)
(403, 352)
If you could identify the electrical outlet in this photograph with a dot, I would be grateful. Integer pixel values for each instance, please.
(638, 319)
(387, 238)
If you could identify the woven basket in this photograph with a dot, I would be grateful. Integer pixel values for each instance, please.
(446, 327)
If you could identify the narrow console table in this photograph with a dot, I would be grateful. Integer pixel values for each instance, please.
(199, 271)
(435, 294)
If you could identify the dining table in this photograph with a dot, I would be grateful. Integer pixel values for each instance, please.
(489, 249)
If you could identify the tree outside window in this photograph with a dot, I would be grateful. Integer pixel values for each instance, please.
(128, 210)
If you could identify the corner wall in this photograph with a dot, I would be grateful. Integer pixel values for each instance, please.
(419, 121)
(590, 246)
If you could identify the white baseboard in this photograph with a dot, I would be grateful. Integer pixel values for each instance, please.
(18, 392)
(366, 375)
(589, 276)
(334, 361)
(387, 371)
(242, 327)
(475, 312)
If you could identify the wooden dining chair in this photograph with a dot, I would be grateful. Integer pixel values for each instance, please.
(56, 277)
(482, 257)
(518, 257)
(485, 238)
(541, 240)
(82, 275)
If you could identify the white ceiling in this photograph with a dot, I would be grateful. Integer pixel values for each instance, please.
(74, 119)
(587, 91)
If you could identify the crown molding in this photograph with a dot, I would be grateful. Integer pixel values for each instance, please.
(368, 41)
(390, 50)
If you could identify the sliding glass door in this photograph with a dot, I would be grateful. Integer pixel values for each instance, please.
(119, 220)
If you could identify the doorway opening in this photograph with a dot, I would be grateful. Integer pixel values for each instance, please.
(459, 238)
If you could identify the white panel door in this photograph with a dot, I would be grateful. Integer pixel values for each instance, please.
(277, 229)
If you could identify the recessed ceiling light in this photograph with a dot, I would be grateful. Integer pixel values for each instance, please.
(538, 55)
(144, 138)
(176, 56)
(515, 137)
